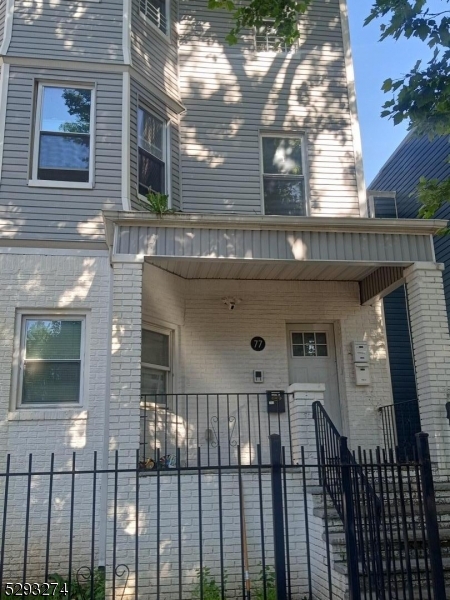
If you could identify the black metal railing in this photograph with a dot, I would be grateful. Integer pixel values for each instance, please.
(91, 532)
(388, 511)
(210, 421)
(400, 423)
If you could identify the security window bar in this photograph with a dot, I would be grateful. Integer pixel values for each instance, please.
(156, 11)
(52, 356)
(63, 143)
(309, 344)
(267, 39)
(155, 365)
(283, 176)
(152, 153)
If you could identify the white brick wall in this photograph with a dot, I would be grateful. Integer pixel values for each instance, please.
(56, 280)
(214, 342)
(431, 344)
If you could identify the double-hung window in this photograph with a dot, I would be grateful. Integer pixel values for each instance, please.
(152, 150)
(63, 149)
(283, 175)
(155, 365)
(268, 39)
(51, 360)
(156, 12)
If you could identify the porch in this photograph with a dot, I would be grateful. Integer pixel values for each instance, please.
(204, 289)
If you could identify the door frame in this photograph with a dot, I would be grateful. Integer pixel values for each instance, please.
(339, 358)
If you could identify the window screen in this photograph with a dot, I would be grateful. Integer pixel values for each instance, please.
(64, 134)
(268, 39)
(284, 185)
(52, 357)
(151, 148)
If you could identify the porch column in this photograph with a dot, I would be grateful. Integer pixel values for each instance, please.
(301, 398)
(431, 350)
(124, 431)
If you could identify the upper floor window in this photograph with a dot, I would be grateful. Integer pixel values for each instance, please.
(152, 149)
(283, 175)
(156, 12)
(51, 360)
(63, 141)
(267, 39)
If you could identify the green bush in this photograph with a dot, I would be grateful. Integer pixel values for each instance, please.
(271, 592)
(206, 582)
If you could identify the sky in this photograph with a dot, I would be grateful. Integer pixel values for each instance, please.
(374, 62)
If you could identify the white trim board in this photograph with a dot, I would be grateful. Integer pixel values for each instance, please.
(356, 130)
(126, 91)
(7, 31)
(4, 83)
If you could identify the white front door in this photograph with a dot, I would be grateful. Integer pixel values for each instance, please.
(312, 359)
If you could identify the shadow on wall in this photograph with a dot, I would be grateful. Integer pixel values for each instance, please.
(232, 92)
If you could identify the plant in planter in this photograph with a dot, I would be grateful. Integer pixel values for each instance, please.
(206, 586)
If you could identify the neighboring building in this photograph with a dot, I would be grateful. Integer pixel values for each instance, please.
(117, 322)
(392, 194)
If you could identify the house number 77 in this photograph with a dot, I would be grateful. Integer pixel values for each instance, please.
(258, 344)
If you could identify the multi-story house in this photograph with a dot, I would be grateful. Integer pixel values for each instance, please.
(267, 275)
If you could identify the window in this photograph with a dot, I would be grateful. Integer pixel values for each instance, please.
(155, 367)
(309, 344)
(283, 176)
(63, 140)
(267, 39)
(156, 12)
(52, 356)
(152, 153)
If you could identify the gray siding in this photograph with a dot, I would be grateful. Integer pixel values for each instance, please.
(2, 19)
(276, 245)
(154, 54)
(68, 30)
(59, 214)
(140, 95)
(233, 93)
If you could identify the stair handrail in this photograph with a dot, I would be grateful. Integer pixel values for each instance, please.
(330, 461)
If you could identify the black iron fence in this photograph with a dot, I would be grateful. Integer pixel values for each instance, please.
(367, 528)
(209, 421)
(400, 423)
(388, 510)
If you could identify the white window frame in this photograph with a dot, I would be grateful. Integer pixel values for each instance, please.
(166, 151)
(285, 52)
(283, 134)
(34, 181)
(165, 35)
(19, 357)
(168, 370)
(327, 344)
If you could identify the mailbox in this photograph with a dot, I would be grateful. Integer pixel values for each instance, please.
(276, 401)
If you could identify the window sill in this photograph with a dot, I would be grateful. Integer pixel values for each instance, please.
(71, 185)
(48, 414)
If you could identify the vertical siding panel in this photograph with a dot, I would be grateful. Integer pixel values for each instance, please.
(239, 241)
(134, 240)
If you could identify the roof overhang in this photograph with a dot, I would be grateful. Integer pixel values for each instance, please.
(209, 237)
(373, 252)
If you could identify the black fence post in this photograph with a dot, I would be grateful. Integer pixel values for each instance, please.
(349, 521)
(431, 522)
(277, 513)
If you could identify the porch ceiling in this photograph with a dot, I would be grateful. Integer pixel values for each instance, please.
(263, 270)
